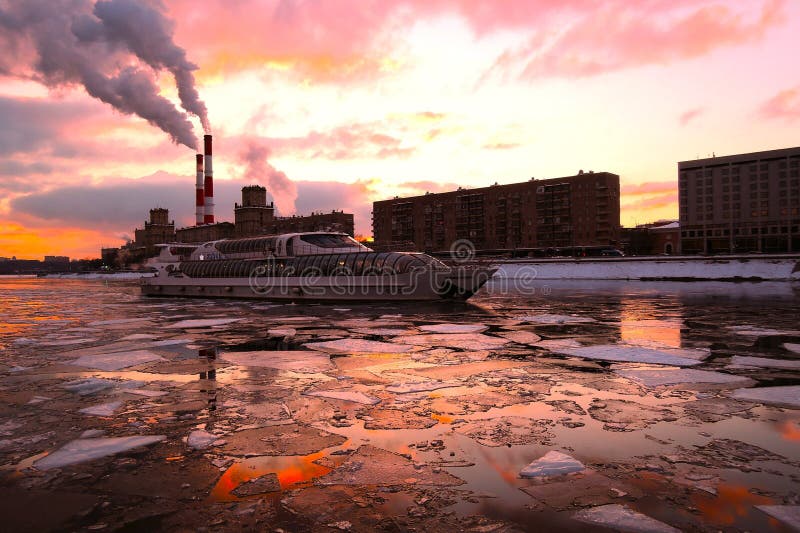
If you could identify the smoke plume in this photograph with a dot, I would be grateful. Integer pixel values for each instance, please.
(68, 42)
(255, 158)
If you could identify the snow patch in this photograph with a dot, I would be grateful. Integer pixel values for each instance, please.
(82, 450)
(552, 464)
(103, 409)
(620, 518)
(788, 514)
(200, 440)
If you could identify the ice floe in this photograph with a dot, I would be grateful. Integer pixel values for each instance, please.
(200, 440)
(521, 337)
(138, 337)
(788, 514)
(792, 347)
(637, 354)
(454, 328)
(117, 321)
(754, 331)
(786, 396)
(358, 346)
(68, 342)
(202, 323)
(656, 377)
(552, 463)
(82, 450)
(421, 386)
(117, 360)
(85, 387)
(298, 360)
(103, 409)
(763, 362)
(621, 518)
(463, 341)
(550, 319)
(346, 395)
(282, 332)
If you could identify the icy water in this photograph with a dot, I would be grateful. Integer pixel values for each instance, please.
(670, 406)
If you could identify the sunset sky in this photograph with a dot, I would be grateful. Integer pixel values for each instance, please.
(355, 101)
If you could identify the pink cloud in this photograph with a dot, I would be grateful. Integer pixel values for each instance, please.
(689, 115)
(648, 188)
(622, 35)
(784, 105)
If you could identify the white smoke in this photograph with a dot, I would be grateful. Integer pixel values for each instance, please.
(67, 42)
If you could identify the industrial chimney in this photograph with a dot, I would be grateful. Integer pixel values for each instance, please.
(199, 212)
(208, 188)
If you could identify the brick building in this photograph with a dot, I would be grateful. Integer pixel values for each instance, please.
(741, 203)
(580, 210)
(159, 230)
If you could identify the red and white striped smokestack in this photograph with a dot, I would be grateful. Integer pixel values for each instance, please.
(199, 202)
(208, 187)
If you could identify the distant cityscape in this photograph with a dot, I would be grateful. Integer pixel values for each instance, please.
(744, 203)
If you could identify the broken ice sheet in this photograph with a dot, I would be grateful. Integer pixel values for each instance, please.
(374, 466)
(792, 347)
(103, 409)
(345, 346)
(621, 518)
(551, 319)
(638, 354)
(117, 360)
(201, 323)
(788, 514)
(88, 386)
(199, 439)
(345, 395)
(660, 376)
(297, 360)
(552, 463)
(82, 450)
(786, 396)
(454, 328)
(421, 386)
(755, 331)
(763, 362)
(520, 337)
(462, 341)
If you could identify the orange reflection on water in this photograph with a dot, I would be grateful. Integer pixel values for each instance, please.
(291, 471)
(731, 502)
(442, 419)
(790, 430)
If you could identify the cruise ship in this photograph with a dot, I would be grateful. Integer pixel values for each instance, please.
(313, 266)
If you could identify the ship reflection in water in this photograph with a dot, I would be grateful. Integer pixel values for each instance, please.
(674, 403)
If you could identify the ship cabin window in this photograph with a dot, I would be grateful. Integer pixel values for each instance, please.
(328, 240)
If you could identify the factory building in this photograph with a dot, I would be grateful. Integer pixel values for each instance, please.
(159, 230)
(254, 216)
(741, 203)
(580, 210)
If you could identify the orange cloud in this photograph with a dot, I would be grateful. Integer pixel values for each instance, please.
(649, 188)
(784, 105)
